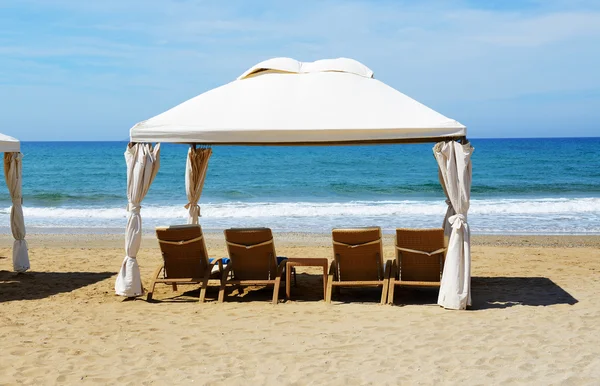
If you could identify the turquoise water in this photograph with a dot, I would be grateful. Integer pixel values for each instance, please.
(520, 186)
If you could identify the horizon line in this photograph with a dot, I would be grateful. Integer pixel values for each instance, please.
(469, 138)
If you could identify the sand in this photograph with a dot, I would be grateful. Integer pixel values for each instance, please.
(534, 320)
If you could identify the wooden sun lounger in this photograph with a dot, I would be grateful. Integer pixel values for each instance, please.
(253, 260)
(420, 255)
(358, 261)
(185, 259)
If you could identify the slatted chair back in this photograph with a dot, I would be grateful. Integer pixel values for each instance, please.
(358, 253)
(420, 254)
(183, 250)
(252, 253)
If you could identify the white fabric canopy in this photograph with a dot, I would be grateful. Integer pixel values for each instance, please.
(9, 144)
(454, 161)
(12, 174)
(195, 174)
(142, 165)
(283, 101)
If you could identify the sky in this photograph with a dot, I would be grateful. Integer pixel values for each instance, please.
(89, 70)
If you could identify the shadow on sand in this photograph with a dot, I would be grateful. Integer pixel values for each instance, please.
(497, 292)
(504, 292)
(40, 285)
(307, 288)
(487, 293)
(232, 295)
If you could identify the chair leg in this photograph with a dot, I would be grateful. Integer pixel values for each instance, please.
(149, 294)
(330, 278)
(288, 284)
(224, 275)
(384, 292)
(386, 281)
(203, 287)
(276, 290)
(392, 284)
(221, 298)
(174, 286)
(203, 291)
(153, 283)
(324, 282)
(329, 289)
(239, 289)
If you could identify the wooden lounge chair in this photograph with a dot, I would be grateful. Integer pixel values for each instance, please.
(185, 260)
(253, 260)
(420, 255)
(358, 261)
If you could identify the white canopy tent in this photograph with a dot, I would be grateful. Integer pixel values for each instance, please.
(13, 173)
(285, 102)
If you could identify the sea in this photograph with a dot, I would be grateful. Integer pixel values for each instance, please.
(520, 186)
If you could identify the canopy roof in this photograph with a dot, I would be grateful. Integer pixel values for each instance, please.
(9, 144)
(283, 101)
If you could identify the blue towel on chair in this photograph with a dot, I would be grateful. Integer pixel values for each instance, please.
(225, 260)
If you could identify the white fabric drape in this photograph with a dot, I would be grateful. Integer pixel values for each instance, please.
(12, 174)
(454, 162)
(449, 210)
(195, 173)
(143, 162)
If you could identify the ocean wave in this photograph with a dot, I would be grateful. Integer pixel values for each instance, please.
(370, 192)
(543, 206)
(55, 198)
(528, 187)
(541, 216)
(381, 188)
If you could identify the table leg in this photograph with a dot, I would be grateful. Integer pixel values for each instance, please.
(288, 279)
(324, 281)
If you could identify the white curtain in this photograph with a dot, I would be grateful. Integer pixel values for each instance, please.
(454, 162)
(12, 174)
(143, 162)
(449, 210)
(195, 173)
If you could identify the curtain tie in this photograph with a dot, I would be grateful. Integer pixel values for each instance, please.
(193, 208)
(132, 208)
(17, 200)
(457, 221)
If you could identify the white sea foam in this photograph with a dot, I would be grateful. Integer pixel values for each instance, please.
(548, 206)
(542, 215)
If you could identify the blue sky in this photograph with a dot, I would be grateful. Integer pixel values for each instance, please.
(89, 70)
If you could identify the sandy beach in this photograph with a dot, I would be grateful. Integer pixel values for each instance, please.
(534, 320)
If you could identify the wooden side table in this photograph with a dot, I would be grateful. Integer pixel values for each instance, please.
(304, 262)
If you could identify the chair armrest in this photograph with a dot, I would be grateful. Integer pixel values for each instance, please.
(216, 260)
(333, 269)
(225, 272)
(389, 268)
(281, 267)
(157, 271)
(394, 271)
